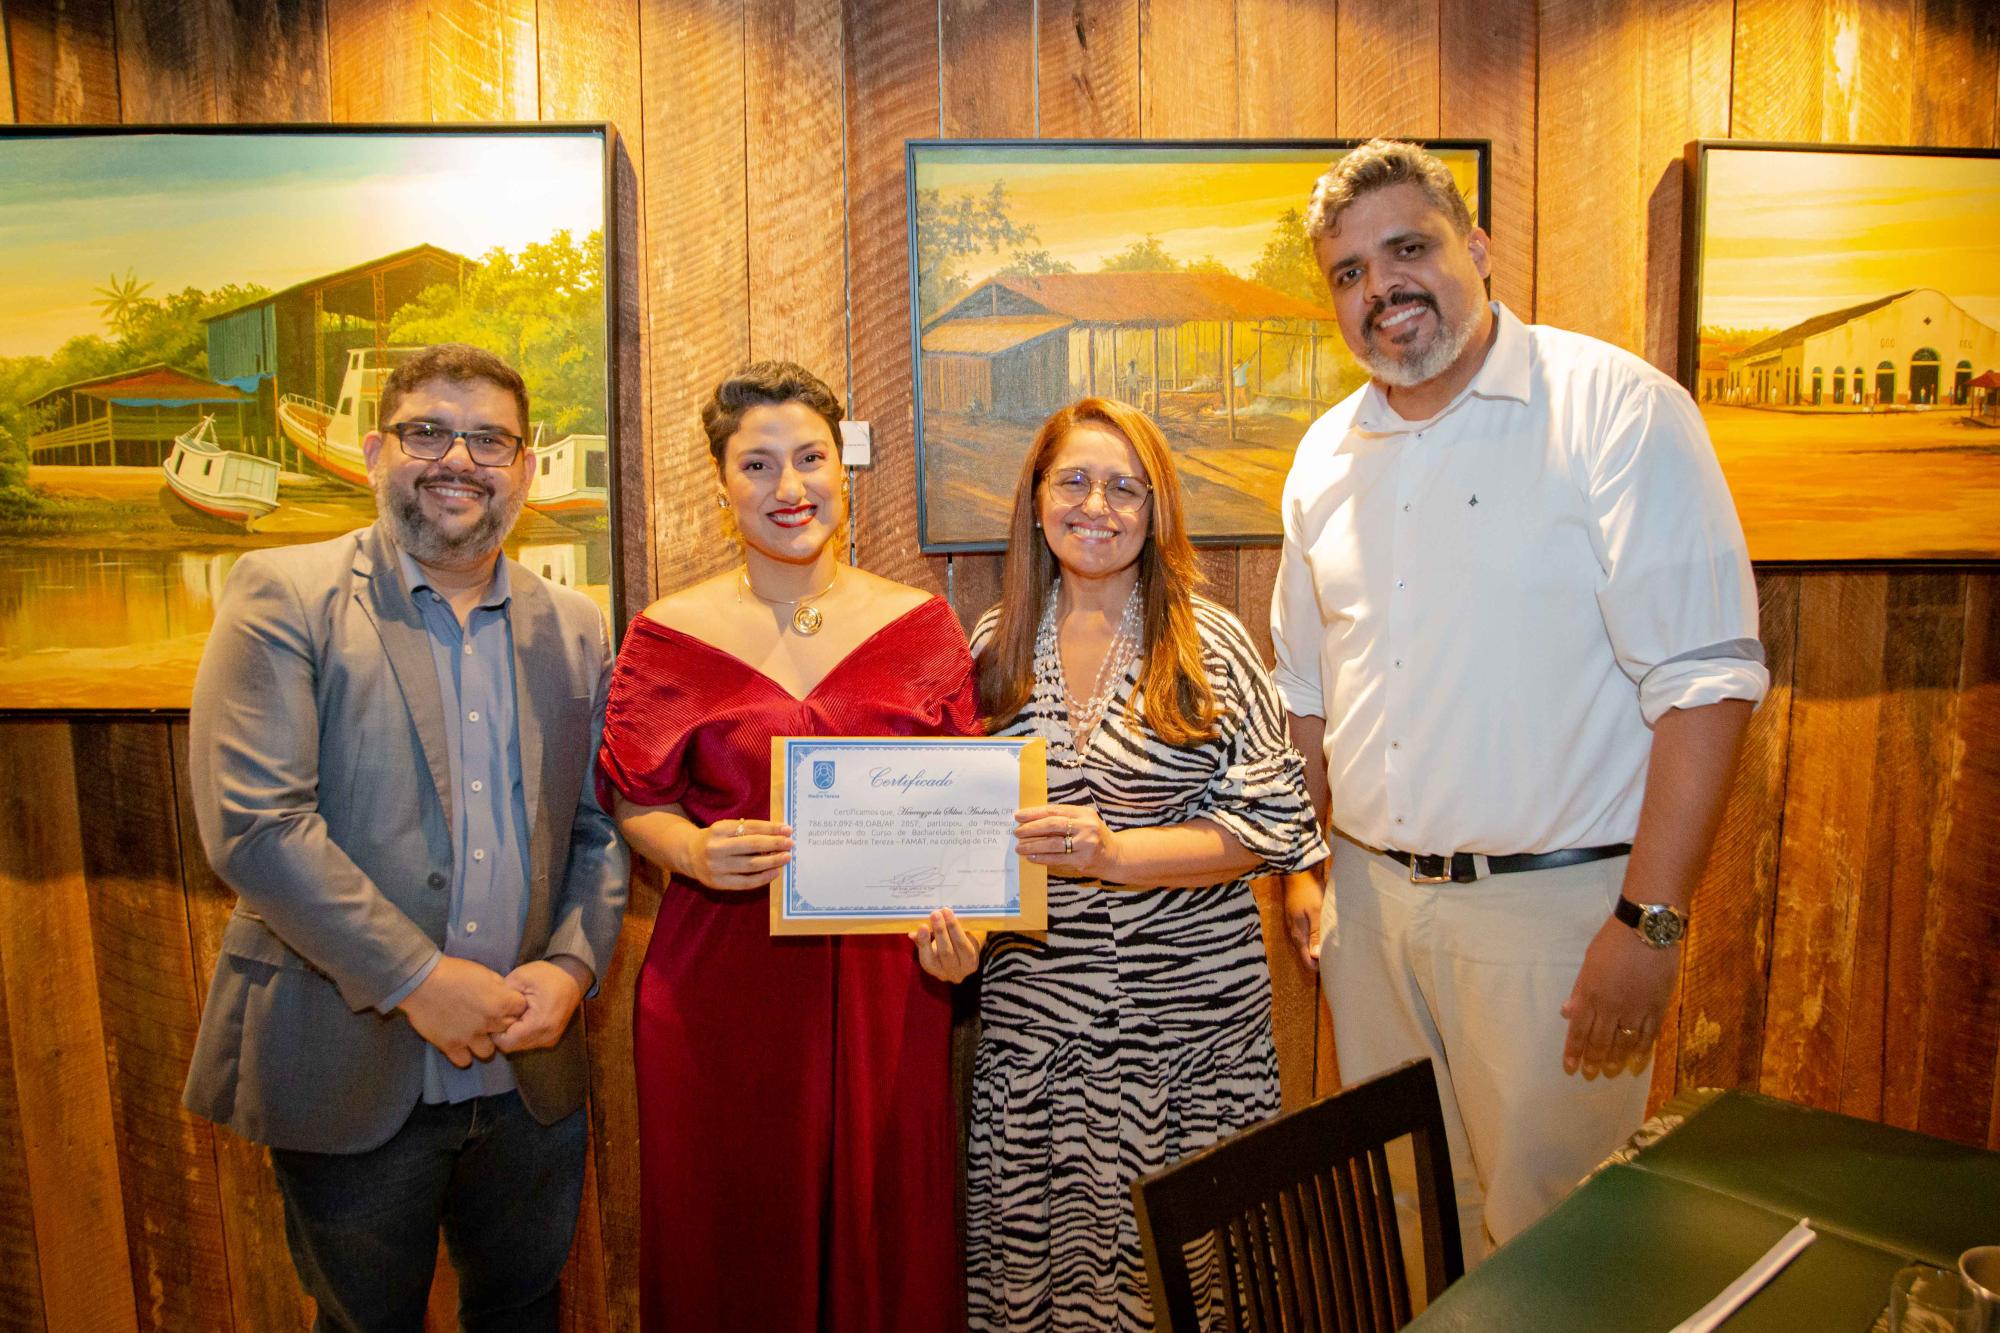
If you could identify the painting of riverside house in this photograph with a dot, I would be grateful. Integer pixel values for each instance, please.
(194, 333)
(1841, 332)
(1176, 277)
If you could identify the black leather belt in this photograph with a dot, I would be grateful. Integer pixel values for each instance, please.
(1461, 868)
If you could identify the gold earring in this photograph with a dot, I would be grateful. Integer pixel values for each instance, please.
(721, 500)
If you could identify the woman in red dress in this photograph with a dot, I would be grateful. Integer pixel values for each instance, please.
(797, 1147)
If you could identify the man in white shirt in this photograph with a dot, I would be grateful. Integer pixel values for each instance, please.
(1516, 635)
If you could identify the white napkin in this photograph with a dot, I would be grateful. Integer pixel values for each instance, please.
(1754, 1277)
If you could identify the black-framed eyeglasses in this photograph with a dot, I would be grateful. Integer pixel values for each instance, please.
(430, 441)
(1124, 494)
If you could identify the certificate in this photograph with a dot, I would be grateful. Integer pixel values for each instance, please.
(887, 830)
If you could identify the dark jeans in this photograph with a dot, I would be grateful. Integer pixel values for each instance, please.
(363, 1227)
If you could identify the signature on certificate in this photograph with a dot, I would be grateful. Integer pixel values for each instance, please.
(917, 877)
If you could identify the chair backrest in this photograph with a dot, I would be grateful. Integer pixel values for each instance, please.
(1293, 1222)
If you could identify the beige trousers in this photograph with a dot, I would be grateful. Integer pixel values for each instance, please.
(1474, 976)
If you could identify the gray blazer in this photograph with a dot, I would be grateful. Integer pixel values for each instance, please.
(322, 789)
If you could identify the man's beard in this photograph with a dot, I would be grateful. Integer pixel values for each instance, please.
(1406, 372)
(418, 536)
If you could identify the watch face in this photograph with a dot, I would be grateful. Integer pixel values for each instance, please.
(1661, 926)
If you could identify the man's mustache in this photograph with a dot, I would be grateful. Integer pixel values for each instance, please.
(450, 478)
(1388, 303)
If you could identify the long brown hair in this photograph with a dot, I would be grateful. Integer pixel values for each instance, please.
(1174, 693)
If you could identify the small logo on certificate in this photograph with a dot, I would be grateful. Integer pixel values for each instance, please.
(823, 774)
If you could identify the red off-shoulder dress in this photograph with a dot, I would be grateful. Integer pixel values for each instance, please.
(796, 1135)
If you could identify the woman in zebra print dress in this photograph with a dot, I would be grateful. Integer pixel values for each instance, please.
(1139, 1030)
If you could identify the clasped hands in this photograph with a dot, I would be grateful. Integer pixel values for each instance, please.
(470, 1012)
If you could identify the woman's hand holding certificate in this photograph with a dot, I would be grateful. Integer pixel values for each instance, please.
(1069, 840)
(945, 949)
(740, 854)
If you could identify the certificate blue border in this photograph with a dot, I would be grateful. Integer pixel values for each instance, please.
(799, 752)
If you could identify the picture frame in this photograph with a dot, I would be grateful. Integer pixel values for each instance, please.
(211, 395)
(1174, 274)
(1840, 333)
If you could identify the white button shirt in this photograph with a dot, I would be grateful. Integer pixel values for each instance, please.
(1492, 607)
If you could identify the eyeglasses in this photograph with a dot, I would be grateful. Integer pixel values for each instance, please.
(1125, 495)
(428, 440)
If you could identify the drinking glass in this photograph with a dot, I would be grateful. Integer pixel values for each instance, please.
(1928, 1299)
(1980, 1267)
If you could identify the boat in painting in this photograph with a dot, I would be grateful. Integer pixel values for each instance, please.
(572, 478)
(330, 436)
(222, 483)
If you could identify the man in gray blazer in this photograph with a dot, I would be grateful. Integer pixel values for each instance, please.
(391, 743)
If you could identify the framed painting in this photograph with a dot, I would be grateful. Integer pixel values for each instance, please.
(1840, 328)
(1176, 276)
(194, 330)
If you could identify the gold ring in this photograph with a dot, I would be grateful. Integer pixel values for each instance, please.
(740, 826)
(1069, 843)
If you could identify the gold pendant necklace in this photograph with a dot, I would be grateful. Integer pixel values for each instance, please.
(806, 619)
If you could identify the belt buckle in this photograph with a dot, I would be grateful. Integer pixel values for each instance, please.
(1430, 869)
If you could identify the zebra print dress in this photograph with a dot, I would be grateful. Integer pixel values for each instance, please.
(1140, 1030)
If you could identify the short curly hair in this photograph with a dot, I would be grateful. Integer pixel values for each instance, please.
(765, 384)
(460, 363)
(1376, 165)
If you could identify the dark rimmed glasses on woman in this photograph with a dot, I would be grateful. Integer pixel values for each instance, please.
(1123, 494)
(430, 441)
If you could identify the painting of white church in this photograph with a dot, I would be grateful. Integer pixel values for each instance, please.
(1916, 348)
(1843, 341)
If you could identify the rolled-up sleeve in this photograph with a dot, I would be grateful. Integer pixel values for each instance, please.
(1679, 600)
(1259, 791)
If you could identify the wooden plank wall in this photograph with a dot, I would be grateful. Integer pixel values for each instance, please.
(1846, 936)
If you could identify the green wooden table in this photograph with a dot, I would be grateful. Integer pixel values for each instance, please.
(1646, 1242)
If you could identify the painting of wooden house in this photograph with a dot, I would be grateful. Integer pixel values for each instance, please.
(296, 341)
(1176, 277)
(194, 334)
(1008, 326)
(1013, 365)
(129, 418)
(1232, 370)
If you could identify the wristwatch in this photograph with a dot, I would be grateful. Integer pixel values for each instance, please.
(1659, 925)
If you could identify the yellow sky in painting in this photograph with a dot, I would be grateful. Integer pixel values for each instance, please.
(207, 210)
(1085, 210)
(1793, 235)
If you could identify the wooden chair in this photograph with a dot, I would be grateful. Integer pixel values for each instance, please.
(1301, 1216)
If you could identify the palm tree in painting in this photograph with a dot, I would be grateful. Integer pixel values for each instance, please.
(121, 298)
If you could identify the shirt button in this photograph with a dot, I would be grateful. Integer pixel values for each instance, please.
(1399, 819)
(479, 853)
(1399, 583)
(1395, 745)
(1399, 664)
(1406, 509)
(468, 650)
(472, 927)
(472, 716)
(477, 785)
(435, 880)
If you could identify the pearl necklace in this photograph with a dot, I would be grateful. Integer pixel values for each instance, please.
(1086, 714)
(806, 619)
